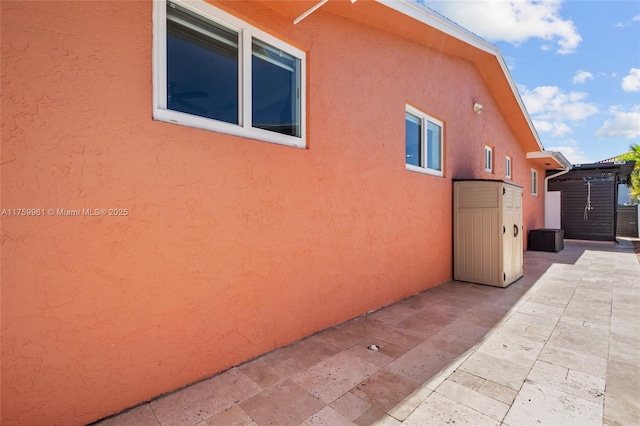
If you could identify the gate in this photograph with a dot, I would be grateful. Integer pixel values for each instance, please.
(627, 218)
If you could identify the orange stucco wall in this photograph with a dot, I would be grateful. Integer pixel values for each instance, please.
(231, 247)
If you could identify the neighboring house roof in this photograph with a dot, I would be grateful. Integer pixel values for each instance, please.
(622, 168)
(418, 23)
(614, 159)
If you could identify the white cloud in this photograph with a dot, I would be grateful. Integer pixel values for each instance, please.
(556, 129)
(572, 153)
(543, 126)
(551, 103)
(513, 21)
(581, 77)
(631, 83)
(553, 110)
(510, 62)
(622, 24)
(624, 124)
(609, 75)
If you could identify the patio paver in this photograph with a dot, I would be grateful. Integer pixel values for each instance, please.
(560, 346)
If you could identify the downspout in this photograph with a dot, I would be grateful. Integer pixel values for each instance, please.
(615, 207)
(546, 190)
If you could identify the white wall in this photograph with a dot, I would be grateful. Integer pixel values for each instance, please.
(552, 210)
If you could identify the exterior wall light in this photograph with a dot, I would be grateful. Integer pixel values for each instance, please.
(477, 108)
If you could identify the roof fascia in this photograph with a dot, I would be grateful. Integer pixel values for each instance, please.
(557, 156)
(421, 13)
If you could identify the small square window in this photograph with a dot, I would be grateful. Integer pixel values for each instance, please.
(488, 159)
(216, 72)
(423, 142)
(507, 167)
(534, 182)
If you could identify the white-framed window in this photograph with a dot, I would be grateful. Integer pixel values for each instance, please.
(534, 182)
(488, 159)
(214, 71)
(507, 167)
(423, 142)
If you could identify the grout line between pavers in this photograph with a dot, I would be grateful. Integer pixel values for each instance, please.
(451, 368)
(440, 376)
(155, 416)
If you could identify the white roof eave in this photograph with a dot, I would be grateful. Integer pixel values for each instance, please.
(427, 16)
(556, 155)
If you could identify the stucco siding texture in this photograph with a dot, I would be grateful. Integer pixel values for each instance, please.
(231, 247)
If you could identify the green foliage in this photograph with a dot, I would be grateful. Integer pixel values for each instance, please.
(634, 155)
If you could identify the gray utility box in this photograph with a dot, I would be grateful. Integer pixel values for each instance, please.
(546, 239)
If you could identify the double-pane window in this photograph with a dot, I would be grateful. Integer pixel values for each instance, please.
(423, 142)
(216, 72)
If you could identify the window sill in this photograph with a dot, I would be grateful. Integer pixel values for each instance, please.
(187, 120)
(423, 170)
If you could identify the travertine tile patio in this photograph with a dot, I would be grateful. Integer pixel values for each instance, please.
(561, 346)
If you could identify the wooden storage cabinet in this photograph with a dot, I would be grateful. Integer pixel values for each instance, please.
(487, 232)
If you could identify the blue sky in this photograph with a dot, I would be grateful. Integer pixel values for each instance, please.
(576, 64)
